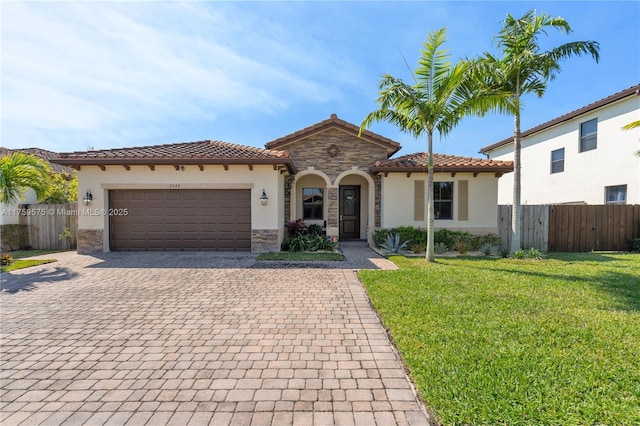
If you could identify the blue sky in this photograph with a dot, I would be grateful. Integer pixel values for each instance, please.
(113, 74)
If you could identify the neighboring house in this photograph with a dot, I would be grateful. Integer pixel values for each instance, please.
(210, 195)
(583, 157)
(7, 216)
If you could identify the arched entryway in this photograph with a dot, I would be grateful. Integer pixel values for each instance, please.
(355, 205)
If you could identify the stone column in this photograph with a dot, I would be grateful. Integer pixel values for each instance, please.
(332, 211)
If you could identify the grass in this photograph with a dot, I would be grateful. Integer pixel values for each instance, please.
(300, 256)
(506, 341)
(26, 263)
(19, 254)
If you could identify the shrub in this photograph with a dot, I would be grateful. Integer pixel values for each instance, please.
(529, 254)
(444, 236)
(635, 244)
(440, 248)
(394, 245)
(379, 236)
(315, 230)
(462, 246)
(308, 243)
(504, 253)
(486, 249)
(6, 259)
(295, 228)
(418, 247)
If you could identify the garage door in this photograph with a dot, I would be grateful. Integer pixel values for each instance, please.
(180, 220)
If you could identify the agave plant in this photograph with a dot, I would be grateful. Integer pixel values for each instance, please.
(393, 244)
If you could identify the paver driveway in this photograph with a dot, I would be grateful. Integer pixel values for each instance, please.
(195, 338)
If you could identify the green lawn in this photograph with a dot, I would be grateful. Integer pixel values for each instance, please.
(501, 341)
(21, 264)
(285, 255)
(19, 254)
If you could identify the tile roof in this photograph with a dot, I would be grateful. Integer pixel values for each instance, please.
(42, 153)
(441, 163)
(201, 152)
(333, 121)
(633, 90)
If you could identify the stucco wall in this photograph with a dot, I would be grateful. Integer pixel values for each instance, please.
(586, 174)
(8, 214)
(269, 217)
(398, 201)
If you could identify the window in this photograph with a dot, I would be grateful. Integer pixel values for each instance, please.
(443, 200)
(312, 203)
(557, 161)
(616, 194)
(589, 135)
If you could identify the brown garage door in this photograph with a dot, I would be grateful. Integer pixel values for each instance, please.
(180, 219)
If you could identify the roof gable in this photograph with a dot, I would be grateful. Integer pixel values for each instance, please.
(441, 163)
(334, 122)
(631, 91)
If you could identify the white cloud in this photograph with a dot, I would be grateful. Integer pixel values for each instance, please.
(98, 71)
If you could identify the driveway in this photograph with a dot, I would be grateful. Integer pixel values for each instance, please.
(197, 338)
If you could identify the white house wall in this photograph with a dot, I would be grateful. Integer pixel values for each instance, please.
(397, 202)
(586, 174)
(8, 212)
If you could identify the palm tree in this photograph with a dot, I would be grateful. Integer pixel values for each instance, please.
(442, 94)
(19, 171)
(523, 68)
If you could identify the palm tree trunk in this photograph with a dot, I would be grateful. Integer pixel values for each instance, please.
(515, 212)
(430, 213)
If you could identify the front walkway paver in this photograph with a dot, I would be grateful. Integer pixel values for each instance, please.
(195, 338)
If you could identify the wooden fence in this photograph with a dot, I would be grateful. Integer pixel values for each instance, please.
(573, 228)
(47, 222)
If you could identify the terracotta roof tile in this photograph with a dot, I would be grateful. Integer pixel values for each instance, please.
(42, 153)
(441, 163)
(633, 90)
(202, 149)
(334, 121)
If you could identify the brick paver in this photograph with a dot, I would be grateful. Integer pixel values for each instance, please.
(197, 338)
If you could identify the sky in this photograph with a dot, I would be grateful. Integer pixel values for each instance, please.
(99, 75)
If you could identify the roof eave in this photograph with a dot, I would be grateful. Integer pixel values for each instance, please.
(401, 169)
(288, 162)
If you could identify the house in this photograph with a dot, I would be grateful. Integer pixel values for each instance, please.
(7, 216)
(212, 195)
(583, 157)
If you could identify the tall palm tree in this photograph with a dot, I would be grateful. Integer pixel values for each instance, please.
(440, 96)
(19, 171)
(523, 68)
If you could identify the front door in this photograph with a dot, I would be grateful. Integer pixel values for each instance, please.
(349, 212)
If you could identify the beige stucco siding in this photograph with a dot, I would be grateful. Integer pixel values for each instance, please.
(167, 177)
(398, 201)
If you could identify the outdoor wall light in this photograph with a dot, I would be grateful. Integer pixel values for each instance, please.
(87, 198)
(263, 198)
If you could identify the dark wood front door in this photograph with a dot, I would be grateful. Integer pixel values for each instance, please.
(349, 212)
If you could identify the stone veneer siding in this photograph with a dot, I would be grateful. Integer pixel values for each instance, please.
(265, 240)
(352, 151)
(90, 241)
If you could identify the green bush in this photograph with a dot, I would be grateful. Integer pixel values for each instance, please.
(441, 236)
(635, 244)
(307, 243)
(6, 259)
(529, 254)
(440, 248)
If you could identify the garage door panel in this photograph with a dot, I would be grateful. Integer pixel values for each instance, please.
(181, 220)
